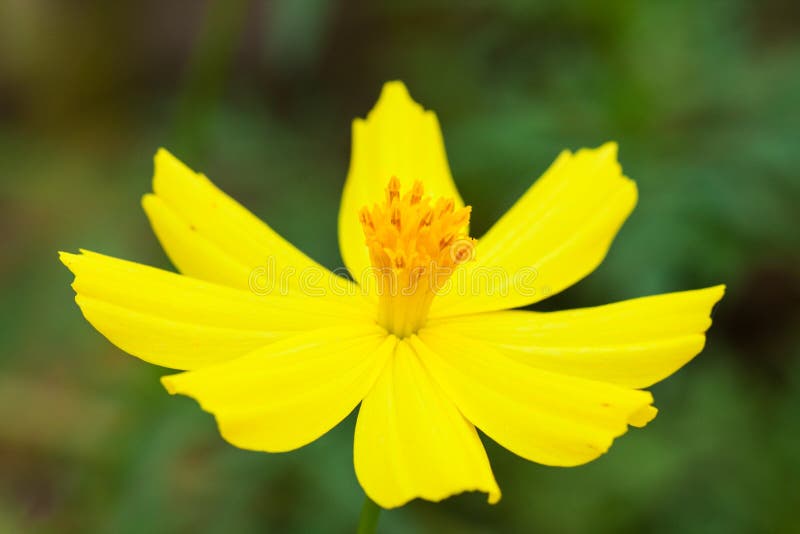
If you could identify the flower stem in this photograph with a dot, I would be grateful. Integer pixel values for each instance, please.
(370, 513)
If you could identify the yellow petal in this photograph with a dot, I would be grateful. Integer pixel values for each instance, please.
(210, 236)
(412, 442)
(544, 417)
(184, 323)
(634, 343)
(288, 394)
(398, 139)
(557, 233)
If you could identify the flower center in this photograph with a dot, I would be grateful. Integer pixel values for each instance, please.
(415, 243)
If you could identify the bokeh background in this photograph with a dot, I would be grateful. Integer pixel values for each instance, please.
(703, 97)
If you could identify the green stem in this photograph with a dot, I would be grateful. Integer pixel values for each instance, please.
(370, 513)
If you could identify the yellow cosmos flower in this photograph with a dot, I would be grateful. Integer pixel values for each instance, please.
(280, 349)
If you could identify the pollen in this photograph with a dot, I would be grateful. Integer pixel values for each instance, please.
(415, 244)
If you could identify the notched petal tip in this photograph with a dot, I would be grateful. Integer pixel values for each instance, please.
(166, 167)
(163, 161)
(147, 200)
(606, 154)
(645, 413)
(717, 292)
(641, 417)
(395, 98)
(609, 148)
(168, 381)
(163, 155)
(67, 258)
(493, 496)
(395, 89)
(72, 261)
(607, 151)
(710, 299)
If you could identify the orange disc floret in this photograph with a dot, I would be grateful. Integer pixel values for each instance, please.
(414, 243)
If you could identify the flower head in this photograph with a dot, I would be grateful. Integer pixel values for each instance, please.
(421, 338)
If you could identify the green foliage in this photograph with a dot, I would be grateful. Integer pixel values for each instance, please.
(702, 97)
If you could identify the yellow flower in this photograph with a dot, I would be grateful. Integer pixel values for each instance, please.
(280, 349)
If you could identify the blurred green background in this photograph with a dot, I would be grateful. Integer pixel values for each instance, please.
(703, 97)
